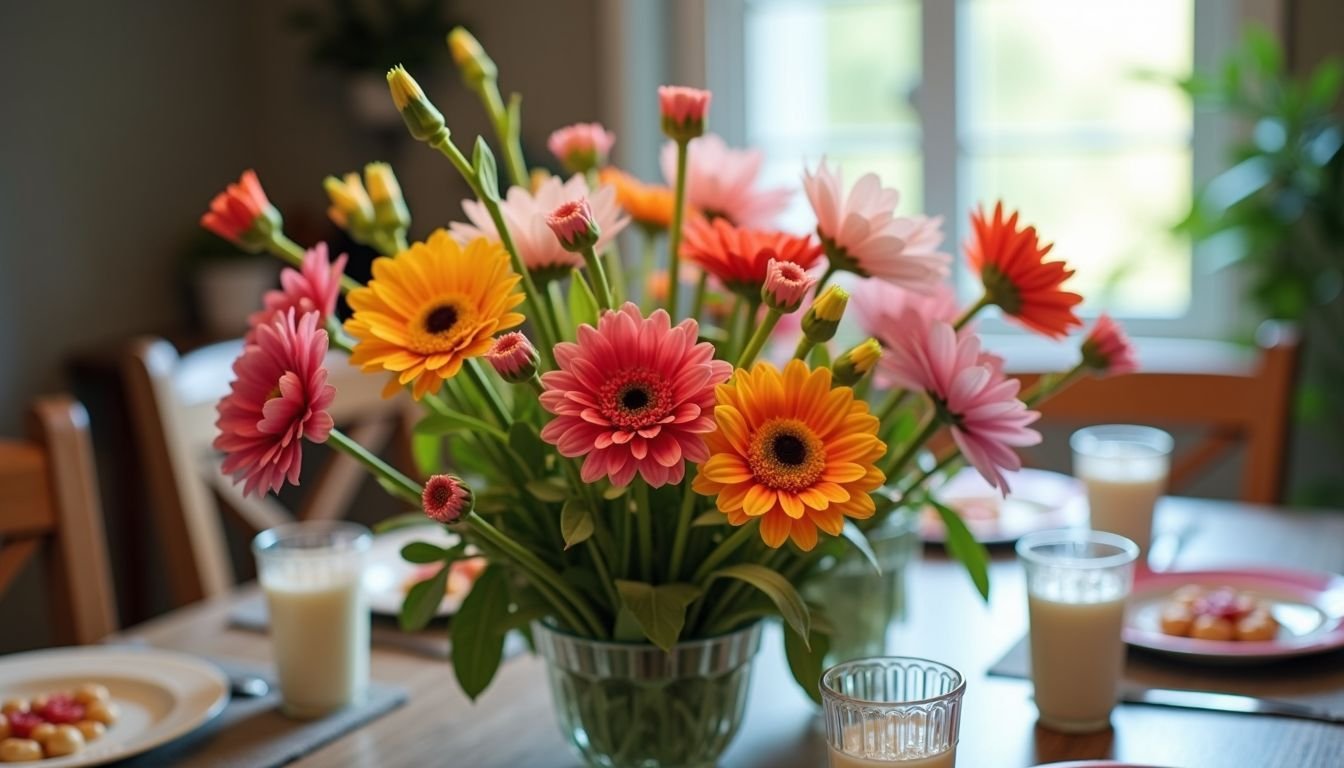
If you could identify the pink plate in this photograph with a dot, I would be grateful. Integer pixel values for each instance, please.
(1308, 605)
(1040, 501)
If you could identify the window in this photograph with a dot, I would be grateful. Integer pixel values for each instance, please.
(1061, 108)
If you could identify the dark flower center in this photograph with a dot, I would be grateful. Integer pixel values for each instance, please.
(441, 319)
(786, 455)
(442, 494)
(789, 449)
(634, 398)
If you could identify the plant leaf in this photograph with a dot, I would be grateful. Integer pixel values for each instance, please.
(963, 548)
(660, 611)
(582, 300)
(422, 552)
(487, 172)
(614, 492)
(712, 517)
(576, 522)
(427, 451)
(777, 588)
(445, 422)
(422, 601)
(819, 357)
(806, 660)
(478, 631)
(525, 442)
(405, 520)
(547, 490)
(855, 536)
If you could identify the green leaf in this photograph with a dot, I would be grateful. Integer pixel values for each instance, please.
(422, 601)
(406, 520)
(582, 300)
(469, 459)
(712, 517)
(1323, 88)
(777, 588)
(446, 422)
(963, 548)
(479, 630)
(614, 492)
(819, 357)
(854, 536)
(428, 452)
(807, 660)
(660, 611)
(576, 522)
(487, 172)
(423, 552)
(547, 489)
(525, 442)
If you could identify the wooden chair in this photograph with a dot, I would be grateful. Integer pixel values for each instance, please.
(1251, 408)
(49, 498)
(172, 402)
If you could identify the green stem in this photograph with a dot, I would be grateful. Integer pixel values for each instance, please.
(674, 234)
(924, 476)
(399, 238)
(603, 574)
(492, 398)
(698, 300)
(405, 488)
(505, 134)
(599, 278)
(291, 253)
(688, 499)
(726, 547)
(644, 523)
(972, 312)
(804, 349)
(899, 461)
(1046, 386)
(650, 261)
(337, 338)
(826, 276)
(893, 402)
(759, 338)
(539, 570)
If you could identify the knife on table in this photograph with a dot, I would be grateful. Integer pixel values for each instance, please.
(1227, 702)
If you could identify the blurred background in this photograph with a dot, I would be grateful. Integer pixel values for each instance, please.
(1184, 156)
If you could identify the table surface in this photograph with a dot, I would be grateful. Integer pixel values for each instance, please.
(512, 724)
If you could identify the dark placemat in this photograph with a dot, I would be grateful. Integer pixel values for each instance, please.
(252, 733)
(1313, 680)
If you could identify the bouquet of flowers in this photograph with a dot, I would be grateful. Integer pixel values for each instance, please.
(621, 450)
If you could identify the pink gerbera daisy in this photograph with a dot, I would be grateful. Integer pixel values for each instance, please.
(634, 394)
(1108, 350)
(971, 395)
(888, 312)
(862, 233)
(581, 146)
(721, 182)
(278, 399)
(525, 214)
(312, 288)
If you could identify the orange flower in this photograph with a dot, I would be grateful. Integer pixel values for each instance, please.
(1016, 277)
(650, 205)
(739, 257)
(791, 451)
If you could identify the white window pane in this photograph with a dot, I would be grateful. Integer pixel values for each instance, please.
(1048, 65)
(1109, 215)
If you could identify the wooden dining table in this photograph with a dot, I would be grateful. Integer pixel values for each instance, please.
(513, 723)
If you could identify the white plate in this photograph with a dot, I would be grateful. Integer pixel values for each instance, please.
(388, 576)
(161, 695)
(1040, 501)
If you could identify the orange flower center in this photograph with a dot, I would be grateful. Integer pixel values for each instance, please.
(786, 455)
(635, 399)
(441, 325)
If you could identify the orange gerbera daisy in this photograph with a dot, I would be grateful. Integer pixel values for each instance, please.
(430, 308)
(650, 205)
(791, 451)
(738, 257)
(1017, 279)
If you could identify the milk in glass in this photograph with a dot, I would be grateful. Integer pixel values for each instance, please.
(1122, 490)
(320, 639)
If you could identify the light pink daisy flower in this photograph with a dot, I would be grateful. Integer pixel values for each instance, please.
(1108, 350)
(721, 181)
(278, 399)
(862, 234)
(581, 146)
(525, 214)
(312, 288)
(978, 402)
(888, 312)
(633, 394)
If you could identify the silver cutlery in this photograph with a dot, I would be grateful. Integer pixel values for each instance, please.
(1227, 702)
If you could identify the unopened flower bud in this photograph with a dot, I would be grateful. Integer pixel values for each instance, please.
(823, 318)
(683, 111)
(786, 285)
(243, 215)
(575, 226)
(446, 499)
(513, 357)
(350, 207)
(853, 364)
(581, 147)
(470, 57)
(424, 121)
(389, 206)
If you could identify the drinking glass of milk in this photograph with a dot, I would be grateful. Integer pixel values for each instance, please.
(311, 573)
(892, 712)
(1077, 583)
(1125, 470)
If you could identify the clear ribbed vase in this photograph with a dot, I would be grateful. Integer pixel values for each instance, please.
(632, 705)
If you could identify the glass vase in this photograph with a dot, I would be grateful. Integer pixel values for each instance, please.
(632, 705)
(862, 605)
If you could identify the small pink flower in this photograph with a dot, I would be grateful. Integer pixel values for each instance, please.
(786, 285)
(242, 214)
(862, 233)
(1108, 350)
(314, 287)
(278, 399)
(513, 357)
(446, 499)
(582, 146)
(574, 225)
(684, 111)
(975, 399)
(525, 215)
(721, 182)
(633, 395)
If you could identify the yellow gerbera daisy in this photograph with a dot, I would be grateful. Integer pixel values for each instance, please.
(791, 451)
(430, 308)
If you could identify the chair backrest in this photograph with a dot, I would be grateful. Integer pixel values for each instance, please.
(49, 497)
(1251, 408)
(172, 402)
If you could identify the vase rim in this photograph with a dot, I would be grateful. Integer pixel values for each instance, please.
(957, 691)
(754, 626)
